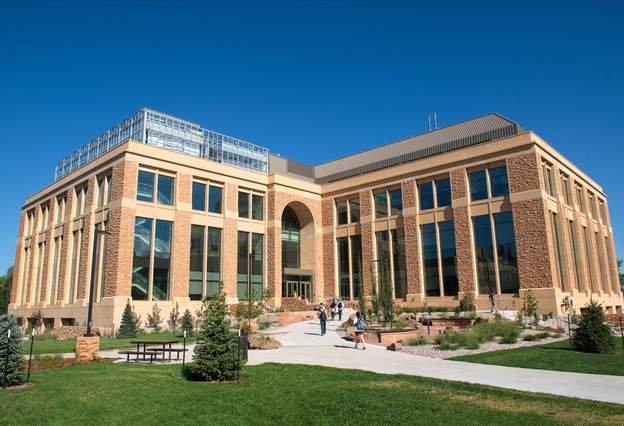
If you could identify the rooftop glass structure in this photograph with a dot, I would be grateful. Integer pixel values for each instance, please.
(168, 132)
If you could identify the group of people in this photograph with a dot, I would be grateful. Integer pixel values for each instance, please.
(336, 308)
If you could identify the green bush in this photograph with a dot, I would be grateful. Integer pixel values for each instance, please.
(482, 332)
(399, 325)
(467, 304)
(215, 350)
(416, 341)
(592, 334)
(508, 339)
(444, 346)
(127, 328)
(264, 325)
(10, 351)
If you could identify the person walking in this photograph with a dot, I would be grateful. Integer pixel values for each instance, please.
(322, 314)
(332, 306)
(340, 307)
(359, 326)
(492, 297)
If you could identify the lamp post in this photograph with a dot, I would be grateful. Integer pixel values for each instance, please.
(96, 244)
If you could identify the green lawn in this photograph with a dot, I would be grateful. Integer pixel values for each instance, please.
(554, 356)
(106, 393)
(50, 346)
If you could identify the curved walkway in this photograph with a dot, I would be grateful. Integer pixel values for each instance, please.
(303, 344)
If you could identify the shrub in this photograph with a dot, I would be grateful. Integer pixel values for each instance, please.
(154, 320)
(187, 323)
(530, 306)
(127, 328)
(264, 325)
(10, 351)
(174, 318)
(416, 341)
(592, 334)
(508, 339)
(399, 325)
(530, 338)
(467, 304)
(445, 346)
(215, 350)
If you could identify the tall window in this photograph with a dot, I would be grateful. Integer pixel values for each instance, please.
(75, 265)
(80, 200)
(165, 190)
(205, 250)
(615, 276)
(392, 198)
(576, 255)
(556, 231)
(151, 281)
(25, 273)
(41, 253)
(247, 244)
(448, 258)
(56, 259)
(61, 202)
(589, 258)
(342, 212)
(603, 211)
(580, 199)
(425, 195)
(250, 203)
(104, 190)
(100, 238)
(436, 193)
(343, 268)
(565, 187)
(486, 274)
(430, 259)
(592, 205)
(439, 263)
(488, 182)
(290, 239)
(506, 252)
(196, 272)
(602, 267)
(202, 192)
(391, 250)
(356, 265)
(45, 215)
(348, 211)
(145, 186)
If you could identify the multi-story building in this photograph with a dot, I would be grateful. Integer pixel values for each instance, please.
(159, 210)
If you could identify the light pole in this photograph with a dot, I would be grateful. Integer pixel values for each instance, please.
(96, 244)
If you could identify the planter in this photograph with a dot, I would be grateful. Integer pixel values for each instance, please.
(386, 337)
(449, 322)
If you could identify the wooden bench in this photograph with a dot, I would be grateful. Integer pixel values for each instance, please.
(177, 351)
(151, 354)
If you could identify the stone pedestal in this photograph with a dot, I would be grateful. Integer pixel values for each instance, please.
(87, 347)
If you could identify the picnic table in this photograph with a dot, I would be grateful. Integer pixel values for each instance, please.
(146, 342)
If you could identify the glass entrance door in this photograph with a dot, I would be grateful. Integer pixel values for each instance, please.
(297, 286)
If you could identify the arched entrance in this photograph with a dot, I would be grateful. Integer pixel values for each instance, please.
(298, 252)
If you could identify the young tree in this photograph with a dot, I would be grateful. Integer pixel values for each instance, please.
(187, 322)
(154, 320)
(127, 328)
(592, 334)
(174, 318)
(215, 350)
(386, 302)
(5, 290)
(10, 346)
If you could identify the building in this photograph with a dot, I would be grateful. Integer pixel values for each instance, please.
(477, 207)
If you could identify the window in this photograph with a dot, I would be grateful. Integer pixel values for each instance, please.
(425, 195)
(257, 207)
(290, 238)
(391, 259)
(61, 202)
(576, 257)
(25, 274)
(615, 276)
(215, 199)
(565, 187)
(589, 258)
(603, 211)
(213, 263)
(165, 190)
(601, 262)
(342, 213)
(80, 200)
(75, 265)
(196, 272)
(255, 246)
(151, 281)
(199, 197)
(99, 262)
(104, 190)
(348, 211)
(592, 205)
(449, 258)
(443, 192)
(41, 253)
(484, 250)
(506, 252)
(498, 181)
(478, 185)
(556, 231)
(45, 212)
(580, 199)
(145, 186)
(430, 259)
(343, 268)
(356, 264)
(56, 259)
(392, 198)
(209, 247)
(549, 179)
(243, 204)
(30, 221)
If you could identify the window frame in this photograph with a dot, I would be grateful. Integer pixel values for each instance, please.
(487, 171)
(207, 184)
(157, 173)
(388, 200)
(250, 197)
(349, 202)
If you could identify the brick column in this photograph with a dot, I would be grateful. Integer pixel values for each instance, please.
(32, 274)
(463, 234)
(530, 224)
(47, 260)
(412, 242)
(16, 286)
(230, 239)
(86, 250)
(367, 232)
(181, 235)
(329, 251)
(118, 275)
(64, 267)
(273, 247)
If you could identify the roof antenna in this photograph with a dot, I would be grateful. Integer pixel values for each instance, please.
(435, 121)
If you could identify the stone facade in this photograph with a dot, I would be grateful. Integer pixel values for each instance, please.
(314, 204)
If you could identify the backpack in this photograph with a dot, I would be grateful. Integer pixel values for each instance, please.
(360, 325)
(323, 316)
(340, 305)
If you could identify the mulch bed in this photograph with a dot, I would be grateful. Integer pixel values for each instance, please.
(51, 362)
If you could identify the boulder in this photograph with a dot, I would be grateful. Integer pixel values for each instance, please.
(394, 346)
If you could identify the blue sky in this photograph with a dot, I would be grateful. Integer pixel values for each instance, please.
(311, 80)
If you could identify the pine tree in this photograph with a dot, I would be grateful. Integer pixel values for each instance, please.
(592, 334)
(187, 323)
(127, 328)
(15, 367)
(215, 350)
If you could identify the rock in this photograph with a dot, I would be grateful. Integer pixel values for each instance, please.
(263, 342)
(268, 317)
(394, 346)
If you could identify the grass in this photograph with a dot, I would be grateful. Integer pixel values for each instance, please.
(53, 346)
(106, 393)
(485, 331)
(554, 356)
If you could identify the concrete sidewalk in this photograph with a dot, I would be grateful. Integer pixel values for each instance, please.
(303, 344)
